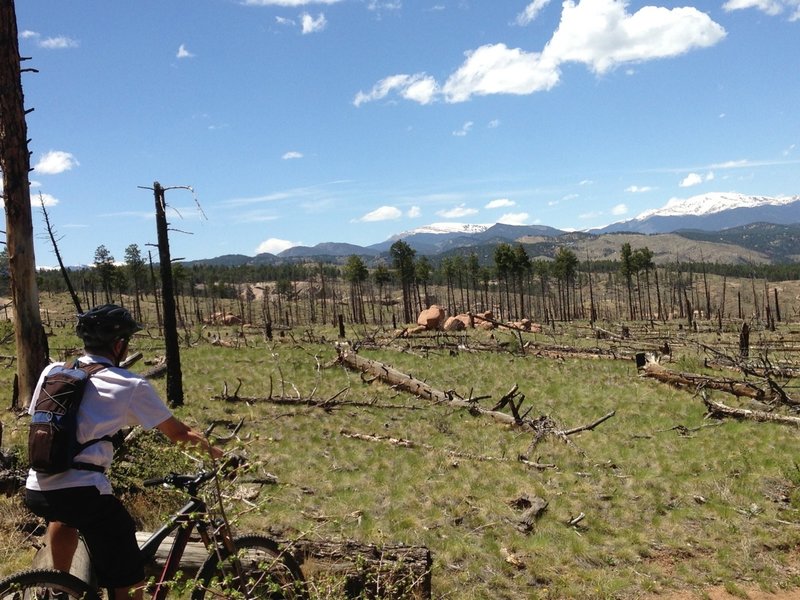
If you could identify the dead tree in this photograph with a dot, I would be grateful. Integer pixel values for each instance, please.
(174, 373)
(512, 399)
(64, 273)
(31, 342)
(693, 381)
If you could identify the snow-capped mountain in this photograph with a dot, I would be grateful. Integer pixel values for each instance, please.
(706, 204)
(711, 212)
(438, 228)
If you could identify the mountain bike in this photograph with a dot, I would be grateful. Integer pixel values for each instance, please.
(247, 566)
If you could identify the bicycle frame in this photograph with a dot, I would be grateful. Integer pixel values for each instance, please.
(183, 523)
(193, 515)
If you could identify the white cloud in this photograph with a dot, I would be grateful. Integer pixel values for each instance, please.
(498, 69)
(58, 43)
(619, 209)
(734, 164)
(275, 246)
(603, 35)
(693, 179)
(459, 211)
(690, 180)
(529, 14)
(291, 155)
(465, 129)
(284, 21)
(422, 90)
(384, 213)
(312, 25)
(494, 123)
(789, 150)
(55, 162)
(183, 52)
(419, 88)
(37, 199)
(27, 34)
(287, 2)
(770, 7)
(500, 203)
(379, 5)
(414, 212)
(514, 218)
(638, 189)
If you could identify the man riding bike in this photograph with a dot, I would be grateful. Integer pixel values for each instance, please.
(81, 499)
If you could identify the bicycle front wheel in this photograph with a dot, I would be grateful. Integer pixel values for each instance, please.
(267, 573)
(45, 584)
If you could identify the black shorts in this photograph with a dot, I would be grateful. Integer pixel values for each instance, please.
(104, 523)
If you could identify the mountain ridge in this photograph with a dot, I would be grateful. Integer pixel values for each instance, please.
(765, 229)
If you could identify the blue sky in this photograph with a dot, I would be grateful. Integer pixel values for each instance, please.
(299, 122)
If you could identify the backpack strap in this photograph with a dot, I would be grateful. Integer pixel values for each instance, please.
(90, 370)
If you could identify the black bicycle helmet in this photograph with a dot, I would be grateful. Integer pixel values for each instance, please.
(105, 324)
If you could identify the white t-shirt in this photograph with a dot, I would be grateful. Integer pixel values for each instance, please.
(114, 398)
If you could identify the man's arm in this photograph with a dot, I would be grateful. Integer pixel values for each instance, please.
(180, 433)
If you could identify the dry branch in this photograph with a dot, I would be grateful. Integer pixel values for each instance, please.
(561, 352)
(324, 403)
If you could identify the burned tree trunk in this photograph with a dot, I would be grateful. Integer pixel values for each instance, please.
(174, 372)
(719, 410)
(64, 272)
(31, 342)
(419, 388)
(694, 381)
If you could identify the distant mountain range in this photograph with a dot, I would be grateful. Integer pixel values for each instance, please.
(730, 228)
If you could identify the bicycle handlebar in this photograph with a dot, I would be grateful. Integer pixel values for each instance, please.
(180, 481)
(191, 482)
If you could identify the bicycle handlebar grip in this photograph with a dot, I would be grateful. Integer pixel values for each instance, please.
(154, 481)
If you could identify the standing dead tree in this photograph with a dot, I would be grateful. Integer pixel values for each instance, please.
(31, 342)
(75, 300)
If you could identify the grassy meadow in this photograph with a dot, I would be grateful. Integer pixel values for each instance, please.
(655, 499)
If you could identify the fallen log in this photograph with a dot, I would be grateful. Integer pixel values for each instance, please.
(718, 410)
(367, 570)
(421, 389)
(694, 381)
(541, 426)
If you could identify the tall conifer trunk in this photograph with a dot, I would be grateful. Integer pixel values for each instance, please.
(31, 342)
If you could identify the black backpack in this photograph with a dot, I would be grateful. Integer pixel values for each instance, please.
(53, 434)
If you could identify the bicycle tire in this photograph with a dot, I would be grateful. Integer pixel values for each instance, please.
(42, 584)
(271, 573)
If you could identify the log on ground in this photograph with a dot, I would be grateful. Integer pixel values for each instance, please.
(365, 570)
(693, 381)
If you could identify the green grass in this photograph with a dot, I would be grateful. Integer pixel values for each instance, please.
(662, 510)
